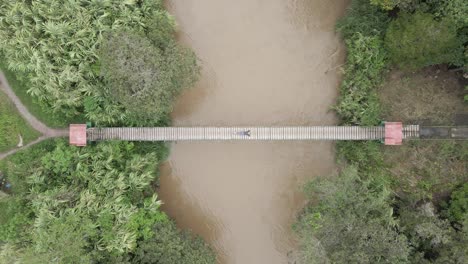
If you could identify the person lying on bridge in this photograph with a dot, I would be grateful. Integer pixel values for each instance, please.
(244, 133)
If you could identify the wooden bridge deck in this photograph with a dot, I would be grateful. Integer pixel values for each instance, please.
(245, 133)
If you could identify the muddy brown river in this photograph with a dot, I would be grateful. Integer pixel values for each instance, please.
(265, 63)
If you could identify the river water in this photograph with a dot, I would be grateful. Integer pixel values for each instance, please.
(265, 63)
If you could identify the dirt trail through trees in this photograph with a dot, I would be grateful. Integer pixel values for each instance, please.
(46, 131)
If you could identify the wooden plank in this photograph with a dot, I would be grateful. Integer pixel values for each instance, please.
(459, 133)
(235, 133)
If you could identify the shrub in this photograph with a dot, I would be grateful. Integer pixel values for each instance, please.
(56, 46)
(418, 40)
(385, 4)
(55, 42)
(433, 239)
(363, 18)
(12, 125)
(90, 193)
(458, 209)
(143, 78)
(406, 5)
(172, 246)
(455, 10)
(352, 221)
(14, 219)
(358, 102)
(367, 157)
(20, 83)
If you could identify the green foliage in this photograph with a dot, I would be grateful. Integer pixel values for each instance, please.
(142, 222)
(12, 125)
(363, 28)
(55, 47)
(172, 246)
(406, 5)
(55, 42)
(456, 250)
(161, 29)
(116, 172)
(144, 78)
(352, 220)
(358, 102)
(365, 156)
(363, 18)
(424, 229)
(117, 62)
(423, 170)
(433, 239)
(14, 218)
(418, 40)
(20, 85)
(88, 192)
(95, 204)
(62, 238)
(455, 10)
(89, 205)
(458, 209)
(387, 4)
(17, 167)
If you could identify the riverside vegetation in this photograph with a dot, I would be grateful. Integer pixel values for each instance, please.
(389, 205)
(12, 126)
(87, 60)
(70, 61)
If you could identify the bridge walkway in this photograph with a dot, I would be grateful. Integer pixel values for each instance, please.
(245, 133)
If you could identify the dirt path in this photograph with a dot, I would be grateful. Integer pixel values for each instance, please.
(46, 131)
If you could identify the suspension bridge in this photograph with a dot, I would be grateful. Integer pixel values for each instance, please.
(390, 133)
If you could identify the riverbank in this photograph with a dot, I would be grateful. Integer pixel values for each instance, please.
(95, 204)
(404, 204)
(426, 170)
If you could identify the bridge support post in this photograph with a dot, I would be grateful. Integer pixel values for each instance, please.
(393, 133)
(78, 135)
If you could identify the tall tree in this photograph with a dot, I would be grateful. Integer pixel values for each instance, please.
(351, 222)
(55, 45)
(90, 202)
(458, 209)
(144, 77)
(172, 246)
